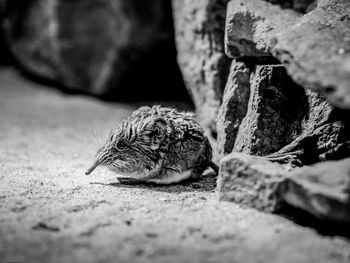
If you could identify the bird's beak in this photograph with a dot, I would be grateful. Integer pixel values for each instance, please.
(95, 164)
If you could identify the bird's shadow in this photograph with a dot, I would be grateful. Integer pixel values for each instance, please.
(206, 183)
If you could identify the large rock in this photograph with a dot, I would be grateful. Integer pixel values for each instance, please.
(330, 141)
(265, 111)
(322, 190)
(274, 112)
(234, 107)
(251, 24)
(90, 45)
(250, 181)
(199, 34)
(313, 48)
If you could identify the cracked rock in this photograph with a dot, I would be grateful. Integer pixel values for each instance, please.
(273, 116)
(250, 181)
(322, 189)
(251, 24)
(330, 141)
(264, 111)
(314, 48)
(234, 107)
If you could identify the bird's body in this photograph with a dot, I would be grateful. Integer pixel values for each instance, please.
(158, 145)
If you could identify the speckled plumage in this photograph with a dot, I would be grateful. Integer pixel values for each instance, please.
(158, 145)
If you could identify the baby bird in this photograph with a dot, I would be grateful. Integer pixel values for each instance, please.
(158, 145)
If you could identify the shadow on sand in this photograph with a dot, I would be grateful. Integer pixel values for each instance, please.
(206, 183)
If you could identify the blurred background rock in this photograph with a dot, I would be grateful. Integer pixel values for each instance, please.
(116, 50)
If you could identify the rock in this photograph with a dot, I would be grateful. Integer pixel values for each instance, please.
(199, 34)
(28, 27)
(234, 107)
(330, 141)
(322, 189)
(274, 112)
(260, 115)
(315, 51)
(267, 113)
(317, 112)
(88, 45)
(251, 24)
(313, 48)
(324, 134)
(250, 181)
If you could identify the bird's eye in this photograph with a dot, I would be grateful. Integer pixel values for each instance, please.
(121, 145)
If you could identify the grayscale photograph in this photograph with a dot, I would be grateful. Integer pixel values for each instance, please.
(179, 131)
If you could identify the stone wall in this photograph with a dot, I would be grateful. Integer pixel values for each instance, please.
(272, 85)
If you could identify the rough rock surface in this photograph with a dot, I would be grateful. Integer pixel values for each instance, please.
(51, 212)
(318, 112)
(324, 134)
(250, 181)
(313, 48)
(251, 24)
(295, 126)
(234, 107)
(322, 189)
(265, 111)
(199, 34)
(330, 141)
(315, 51)
(88, 45)
(273, 118)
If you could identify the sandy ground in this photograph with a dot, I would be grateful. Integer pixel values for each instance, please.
(51, 212)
